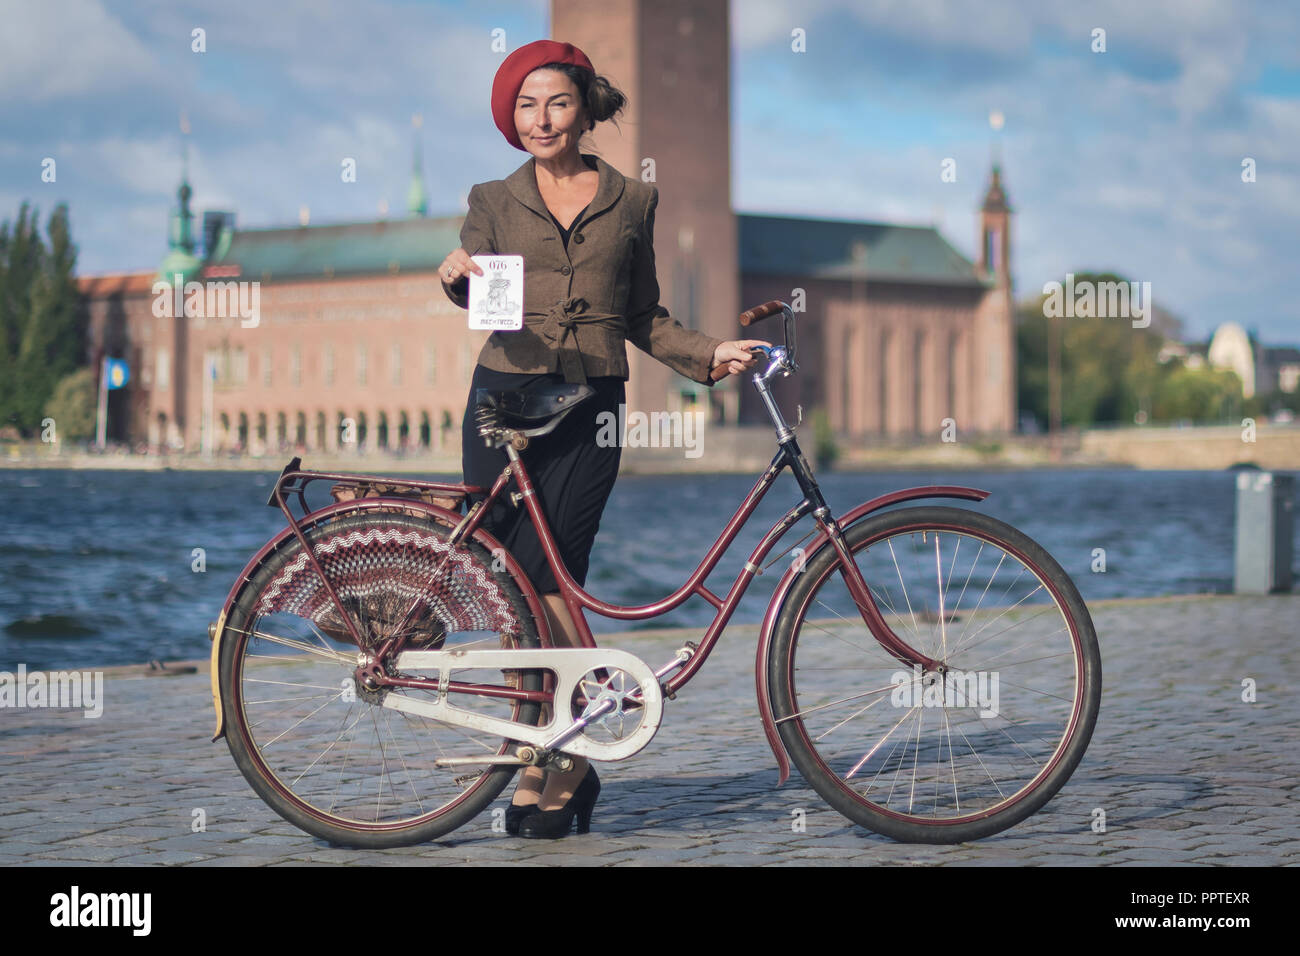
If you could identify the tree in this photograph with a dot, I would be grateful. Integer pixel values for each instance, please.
(72, 406)
(1199, 395)
(1110, 370)
(825, 450)
(42, 327)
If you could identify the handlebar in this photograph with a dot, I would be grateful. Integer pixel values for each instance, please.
(783, 356)
(762, 312)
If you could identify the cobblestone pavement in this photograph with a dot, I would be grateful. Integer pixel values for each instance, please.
(1186, 772)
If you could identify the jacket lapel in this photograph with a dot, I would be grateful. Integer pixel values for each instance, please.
(522, 184)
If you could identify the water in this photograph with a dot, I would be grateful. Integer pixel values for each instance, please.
(109, 567)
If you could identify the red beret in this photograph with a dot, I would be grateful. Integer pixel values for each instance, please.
(515, 69)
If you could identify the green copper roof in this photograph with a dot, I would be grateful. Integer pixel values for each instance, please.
(825, 249)
(820, 248)
(178, 260)
(402, 245)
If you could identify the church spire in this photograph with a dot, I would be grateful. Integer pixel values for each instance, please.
(180, 258)
(995, 199)
(995, 238)
(417, 200)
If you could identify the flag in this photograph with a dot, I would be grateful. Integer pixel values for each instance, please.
(115, 373)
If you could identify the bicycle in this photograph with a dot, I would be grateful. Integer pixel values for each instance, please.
(383, 662)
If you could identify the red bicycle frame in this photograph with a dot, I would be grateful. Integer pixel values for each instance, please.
(829, 531)
(293, 481)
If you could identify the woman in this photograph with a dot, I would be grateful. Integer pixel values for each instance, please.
(585, 232)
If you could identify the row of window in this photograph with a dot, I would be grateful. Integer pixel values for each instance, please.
(422, 429)
(231, 365)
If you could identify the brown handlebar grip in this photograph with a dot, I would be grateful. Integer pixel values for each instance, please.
(762, 312)
(719, 373)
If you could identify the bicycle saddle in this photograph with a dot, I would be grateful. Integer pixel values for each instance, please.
(534, 405)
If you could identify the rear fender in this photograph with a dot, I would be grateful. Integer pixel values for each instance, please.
(217, 632)
(762, 659)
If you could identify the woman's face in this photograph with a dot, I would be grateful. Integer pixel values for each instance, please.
(549, 117)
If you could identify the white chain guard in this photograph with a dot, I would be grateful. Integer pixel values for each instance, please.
(569, 665)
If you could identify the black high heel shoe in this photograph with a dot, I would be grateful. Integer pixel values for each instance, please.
(515, 815)
(553, 824)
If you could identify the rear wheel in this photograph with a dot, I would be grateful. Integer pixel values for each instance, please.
(963, 751)
(321, 749)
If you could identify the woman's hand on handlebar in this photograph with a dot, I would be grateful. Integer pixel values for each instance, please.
(732, 358)
(456, 265)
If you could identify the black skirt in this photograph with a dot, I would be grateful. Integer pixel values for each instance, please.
(572, 475)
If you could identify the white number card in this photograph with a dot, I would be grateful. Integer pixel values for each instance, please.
(496, 298)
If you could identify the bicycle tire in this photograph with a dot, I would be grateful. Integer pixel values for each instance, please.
(375, 560)
(797, 691)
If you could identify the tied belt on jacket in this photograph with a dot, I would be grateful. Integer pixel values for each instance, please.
(560, 321)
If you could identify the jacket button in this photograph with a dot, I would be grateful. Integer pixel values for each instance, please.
(578, 238)
(565, 270)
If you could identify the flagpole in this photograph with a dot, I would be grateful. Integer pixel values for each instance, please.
(207, 442)
(101, 430)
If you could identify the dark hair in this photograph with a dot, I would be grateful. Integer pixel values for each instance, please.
(601, 100)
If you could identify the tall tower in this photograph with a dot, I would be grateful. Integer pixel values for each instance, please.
(995, 243)
(672, 59)
(995, 379)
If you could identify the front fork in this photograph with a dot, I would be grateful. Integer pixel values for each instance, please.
(899, 649)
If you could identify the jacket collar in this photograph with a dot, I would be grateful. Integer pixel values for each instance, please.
(522, 184)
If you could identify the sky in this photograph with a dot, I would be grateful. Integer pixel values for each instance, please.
(1127, 159)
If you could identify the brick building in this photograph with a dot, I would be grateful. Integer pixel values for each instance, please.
(355, 342)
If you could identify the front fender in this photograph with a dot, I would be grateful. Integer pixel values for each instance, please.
(822, 540)
(217, 631)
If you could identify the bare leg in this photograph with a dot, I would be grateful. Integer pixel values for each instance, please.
(560, 786)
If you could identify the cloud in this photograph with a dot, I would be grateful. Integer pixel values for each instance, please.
(1127, 160)
(52, 51)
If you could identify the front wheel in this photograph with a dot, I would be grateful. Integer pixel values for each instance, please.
(960, 752)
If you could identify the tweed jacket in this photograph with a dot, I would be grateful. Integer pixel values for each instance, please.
(583, 303)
